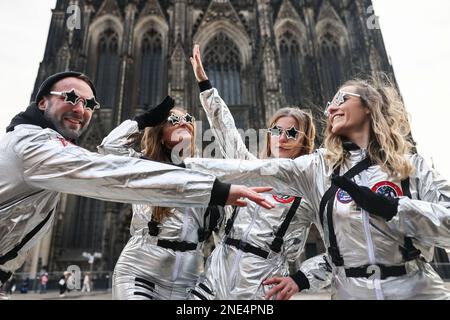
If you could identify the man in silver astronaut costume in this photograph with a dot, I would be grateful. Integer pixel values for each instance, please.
(383, 255)
(38, 161)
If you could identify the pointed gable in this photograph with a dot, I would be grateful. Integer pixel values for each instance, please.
(109, 7)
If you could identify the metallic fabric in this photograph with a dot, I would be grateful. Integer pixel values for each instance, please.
(231, 273)
(144, 270)
(363, 239)
(36, 165)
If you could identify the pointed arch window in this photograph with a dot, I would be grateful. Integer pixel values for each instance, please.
(223, 66)
(331, 63)
(107, 68)
(290, 61)
(151, 79)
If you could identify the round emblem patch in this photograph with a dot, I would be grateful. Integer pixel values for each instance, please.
(283, 199)
(343, 197)
(387, 189)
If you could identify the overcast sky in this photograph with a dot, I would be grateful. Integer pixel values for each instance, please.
(416, 35)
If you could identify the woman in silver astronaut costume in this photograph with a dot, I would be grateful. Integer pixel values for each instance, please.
(257, 243)
(164, 256)
(383, 210)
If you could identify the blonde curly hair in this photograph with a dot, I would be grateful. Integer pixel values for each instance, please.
(390, 131)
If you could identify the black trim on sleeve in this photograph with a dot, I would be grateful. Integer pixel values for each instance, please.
(219, 193)
(141, 121)
(180, 165)
(301, 280)
(204, 85)
(156, 115)
(388, 215)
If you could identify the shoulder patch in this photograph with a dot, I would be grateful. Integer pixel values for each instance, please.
(387, 189)
(343, 197)
(283, 199)
(64, 142)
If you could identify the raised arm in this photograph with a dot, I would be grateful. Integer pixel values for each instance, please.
(121, 139)
(219, 116)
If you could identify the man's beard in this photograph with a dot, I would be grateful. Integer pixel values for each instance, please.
(70, 134)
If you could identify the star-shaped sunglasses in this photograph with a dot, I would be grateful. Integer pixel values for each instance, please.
(72, 98)
(339, 100)
(277, 131)
(176, 119)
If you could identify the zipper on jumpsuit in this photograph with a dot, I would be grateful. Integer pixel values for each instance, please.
(244, 237)
(178, 254)
(370, 247)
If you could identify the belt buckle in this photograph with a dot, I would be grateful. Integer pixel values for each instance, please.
(182, 245)
(242, 245)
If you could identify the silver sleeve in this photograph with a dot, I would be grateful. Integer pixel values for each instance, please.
(298, 177)
(120, 140)
(223, 126)
(319, 272)
(232, 147)
(50, 162)
(426, 216)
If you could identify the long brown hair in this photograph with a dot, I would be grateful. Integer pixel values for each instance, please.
(153, 147)
(390, 130)
(305, 126)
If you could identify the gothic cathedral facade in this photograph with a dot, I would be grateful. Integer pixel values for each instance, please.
(261, 54)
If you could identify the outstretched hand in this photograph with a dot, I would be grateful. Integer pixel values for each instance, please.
(237, 192)
(367, 199)
(284, 288)
(197, 66)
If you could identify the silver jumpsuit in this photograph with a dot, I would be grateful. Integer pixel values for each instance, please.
(236, 273)
(37, 165)
(146, 270)
(363, 239)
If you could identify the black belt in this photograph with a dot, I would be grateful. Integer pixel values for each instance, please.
(176, 245)
(385, 271)
(244, 246)
(4, 276)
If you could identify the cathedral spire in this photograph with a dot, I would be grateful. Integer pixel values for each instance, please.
(109, 7)
(152, 7)
(222, 10)
(287, 11)
(327, 12)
